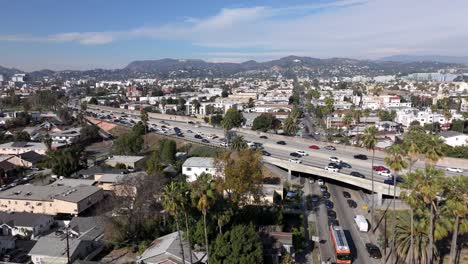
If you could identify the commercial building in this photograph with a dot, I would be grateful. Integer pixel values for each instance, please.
(50, 200)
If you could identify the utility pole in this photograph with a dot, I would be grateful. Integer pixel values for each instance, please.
(68, 245)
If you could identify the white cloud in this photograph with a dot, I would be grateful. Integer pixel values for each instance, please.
(356, 28)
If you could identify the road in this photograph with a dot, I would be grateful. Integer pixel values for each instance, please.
(317, 158)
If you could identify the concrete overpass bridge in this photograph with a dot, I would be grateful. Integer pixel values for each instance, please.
(380, 188)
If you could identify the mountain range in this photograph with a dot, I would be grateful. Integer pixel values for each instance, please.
(435, 58)
(288, 66)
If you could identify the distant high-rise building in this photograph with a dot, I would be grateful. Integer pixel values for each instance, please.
(19, 77)
(1, 78)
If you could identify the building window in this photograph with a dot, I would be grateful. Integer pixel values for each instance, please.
(189, 169)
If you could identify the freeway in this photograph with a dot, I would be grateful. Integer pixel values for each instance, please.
(316, 157)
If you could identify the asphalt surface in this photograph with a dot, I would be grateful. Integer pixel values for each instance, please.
(316, 158)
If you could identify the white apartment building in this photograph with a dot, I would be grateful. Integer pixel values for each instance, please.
(19, 77)
(406, 116)
(454, 139)
(195, 166)
(67, 136)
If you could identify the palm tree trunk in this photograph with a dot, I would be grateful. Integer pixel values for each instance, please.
(394, 218)
(453, 246)
(206, 239)
(431, 234)
(188, 237)
(373, 198)
(411, 237)
(180, 240)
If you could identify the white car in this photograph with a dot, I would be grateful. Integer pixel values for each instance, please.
(320, 182)
(332, 168)
(298, 161)
(334, 159)
(385, 173)
(459, 170)
(302, 153)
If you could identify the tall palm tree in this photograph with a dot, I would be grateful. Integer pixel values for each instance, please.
(238, 143)
(465, 116)
(412, 153)
(369, 140)
(457, 203)
(170, 201)
(184, 203)
(203, 196)
(433, 151)
(357, 114)
(396, 161)
(434, 111)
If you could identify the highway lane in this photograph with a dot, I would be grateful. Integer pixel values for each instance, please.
(318, 158)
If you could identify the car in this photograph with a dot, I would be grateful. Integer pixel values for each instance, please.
(386, 173)
(320, 182)
(388, 181)
(332, 168)
(459, 170)
(302, 153)
(331, 214)
(333, 164)
(323, 188)
(263, 137)
(391, 181)
(326, 195)
(189, 131)
(295, 154)
(329, 204)
(345, 165)
(357, 174)
(205, 140)
(314, 147)
(346, 195)
(334, 159)
(373, 250)
(315, 198)
(198, 136)
(297, 161)
(266, 153)
(333, 222)
(351, 203)
(360, 156)
(281, 142)
(330, 148)
(379, 168)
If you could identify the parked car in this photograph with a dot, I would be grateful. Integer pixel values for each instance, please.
(360, 156)
(329, 204)
(459, 170)
(281, 142)
(373, 250)
(357, 174)
(314, 147)
(323, 188)
(297, 161)
(326, 195)
(331, 214)
(315, 198)
(320, 182)
(346, 195)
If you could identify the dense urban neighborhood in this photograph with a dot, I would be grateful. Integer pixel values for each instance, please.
(297, 160)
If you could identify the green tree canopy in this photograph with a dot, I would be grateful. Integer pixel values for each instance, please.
(265, 122)
(240, 245)
(232, 118)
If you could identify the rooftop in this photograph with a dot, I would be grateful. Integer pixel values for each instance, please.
(22, 219)
(49, 193)
(199, 162)
(55, 246)
(125, 159)
(448, 134)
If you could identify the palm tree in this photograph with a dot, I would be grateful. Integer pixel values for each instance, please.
(203, 195)
(347, 120)
(290, 126)
(434, 111)
(396, 161)
(433, 151)
(369, 140)
(238, 143)
(170, 201)
(465, 116)
(184, 203)
(457, 203)
(357, 114)
(412, 153)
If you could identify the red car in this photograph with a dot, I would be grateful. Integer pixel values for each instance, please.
(314, 147)
(380, 168)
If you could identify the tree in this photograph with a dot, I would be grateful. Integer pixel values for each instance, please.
(242, 176)
(22, 136)
(203, 196)
(369, 140)
(290, 126)
(233, 118)
(238, 143)
(93, 101)
(168, 150)
(130, 143)
(144, 119)
(396, 161)
(251, 103)
(197, 105)
(89, 134)
(347, 119)
(457, 204)
(433, 150)
(216, 120)
(64, 162)
(265, 122)
(224, 93)
(240, 245)
(314, 94)
(170, 200)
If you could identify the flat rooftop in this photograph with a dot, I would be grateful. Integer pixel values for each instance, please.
(49, 193)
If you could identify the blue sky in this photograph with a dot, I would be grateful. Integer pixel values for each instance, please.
(85, 34)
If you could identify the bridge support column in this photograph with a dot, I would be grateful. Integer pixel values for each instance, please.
(378, 198)
(289, 174)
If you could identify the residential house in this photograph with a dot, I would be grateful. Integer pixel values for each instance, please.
(16, 148)
(50, 200)
(28, 159)
(195, 166)
(131, 162)
(87, 228)
(53, 250)
(166, 249)
(67, 136)
(454, 139)
(7, 243)
(24, 224)
(119, 184)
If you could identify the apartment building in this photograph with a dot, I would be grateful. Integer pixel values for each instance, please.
(50, 200)
(67, 136)
(195, 166)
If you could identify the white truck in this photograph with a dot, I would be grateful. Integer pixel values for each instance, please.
(361, 223)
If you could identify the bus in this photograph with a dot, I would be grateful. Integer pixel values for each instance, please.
(343, 253)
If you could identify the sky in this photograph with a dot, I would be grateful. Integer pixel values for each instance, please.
(87, 34)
